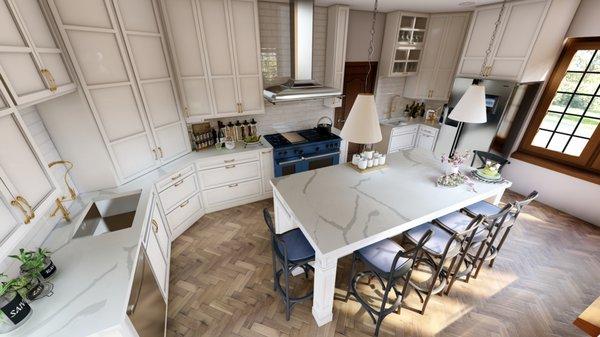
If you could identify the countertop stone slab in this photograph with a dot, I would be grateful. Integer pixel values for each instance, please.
(337, 206)
(95, 273)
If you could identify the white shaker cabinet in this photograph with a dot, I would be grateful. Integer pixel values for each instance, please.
(529, 38)
(443, 42)
(335, 56)
(402, 43)
(119, 55)
(158, 247)
(266, 163)
(217, 56)
(31, 63)
(26, 187)
(426, 137)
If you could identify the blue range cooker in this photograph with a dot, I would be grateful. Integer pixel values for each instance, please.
(303, 150)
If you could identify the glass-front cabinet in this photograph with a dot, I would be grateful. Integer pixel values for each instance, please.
(403, 43)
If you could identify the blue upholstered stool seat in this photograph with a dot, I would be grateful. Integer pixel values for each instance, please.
(298, 248)
(458, 222)
(380, 257)
(483, 208)
(438, 241)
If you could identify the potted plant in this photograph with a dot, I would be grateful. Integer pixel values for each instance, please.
(34, 266)
(14, 310)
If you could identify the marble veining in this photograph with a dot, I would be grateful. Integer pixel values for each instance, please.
(337, 206)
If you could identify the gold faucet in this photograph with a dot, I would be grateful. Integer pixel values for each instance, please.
(72, 194)
(60, 207)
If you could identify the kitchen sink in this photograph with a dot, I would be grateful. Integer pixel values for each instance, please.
(108, 215)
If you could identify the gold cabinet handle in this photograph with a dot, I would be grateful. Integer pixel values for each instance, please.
(17, 204)
(229, 161)
(178, 183)
(154, 226)
(176, 177)
(186, 111)
(184, 204)
(266, 152)
(155, 154)
(161, 152)
(22, 200)
(230, 166)
(50, 79)
(232, 185)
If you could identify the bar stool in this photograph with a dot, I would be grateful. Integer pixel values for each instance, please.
(457, 222)
(292, 250)
(389, 263)
(486, 208)
(485, 156)
(442, 248)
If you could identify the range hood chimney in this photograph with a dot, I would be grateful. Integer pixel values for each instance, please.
(300, 86)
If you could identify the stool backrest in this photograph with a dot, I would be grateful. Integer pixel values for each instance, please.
(276, 241)
(497, 221)
(465, 238)
(519, 205)
(411, 253)
(483, 156)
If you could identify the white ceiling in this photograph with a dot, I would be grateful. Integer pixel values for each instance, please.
(429, 6)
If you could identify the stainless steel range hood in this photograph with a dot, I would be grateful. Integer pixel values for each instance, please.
(300, 86)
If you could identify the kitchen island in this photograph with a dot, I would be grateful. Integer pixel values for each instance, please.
(340, 210)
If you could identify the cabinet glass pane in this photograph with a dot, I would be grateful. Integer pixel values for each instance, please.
(9, 33)
(420, 23)
(160, 99)
(414, 54)
(411, 67)
(148, 57)
(21, 73)
(401, 54)
(89, 13)
(418, 37)
(187, 46)
(399, 67)
(118, 111)
(36, 23)
(407, 21)
(404, 36)
(138, 15)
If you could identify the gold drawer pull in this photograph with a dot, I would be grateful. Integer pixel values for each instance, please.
(17, 204)
(184, 204)
(232, 185)
(22, 200)
(154, 226)
(230, 166)
(229, 161)
(161, 153)
(176, 177)
(178, 183)
(155, 155)
(265, 152)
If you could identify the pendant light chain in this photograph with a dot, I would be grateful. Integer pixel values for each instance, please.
(371, 45)
(493, 38)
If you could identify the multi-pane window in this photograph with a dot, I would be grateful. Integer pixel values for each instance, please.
(564, 132)
(574, 113)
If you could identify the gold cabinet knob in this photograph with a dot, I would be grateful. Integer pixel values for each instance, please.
(20, 203)
(154, 226)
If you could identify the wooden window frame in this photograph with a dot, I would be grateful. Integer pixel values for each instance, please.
(587, 165)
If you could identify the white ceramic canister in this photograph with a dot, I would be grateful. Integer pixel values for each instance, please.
(382, 159)
(355, 159)
(362, 164)
(370, 163)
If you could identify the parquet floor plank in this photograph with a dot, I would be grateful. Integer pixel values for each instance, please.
(221, 284)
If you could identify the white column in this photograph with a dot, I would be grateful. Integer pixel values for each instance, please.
(283, 219)
(324, 288)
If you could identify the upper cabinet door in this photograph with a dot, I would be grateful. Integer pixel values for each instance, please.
(187, 44)
(246, 51)
(26, 186)
(31, 63)
(214, 20)
(96, 48)
(147, 50)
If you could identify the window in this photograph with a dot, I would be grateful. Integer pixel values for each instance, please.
(564, 127)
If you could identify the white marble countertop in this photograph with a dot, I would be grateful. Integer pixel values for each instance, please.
(95, 273)
(338, 207)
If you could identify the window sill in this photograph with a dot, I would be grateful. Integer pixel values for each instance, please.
(557, 167)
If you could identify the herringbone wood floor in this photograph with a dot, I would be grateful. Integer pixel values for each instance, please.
(547, 273)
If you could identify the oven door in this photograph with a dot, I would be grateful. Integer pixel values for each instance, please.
(321, 160)
(288, 166)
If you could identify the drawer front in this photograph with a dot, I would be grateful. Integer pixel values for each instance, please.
(402, 142)
(229, 174)
(428, 130)
(157, 261)
(232, 192)
(405, 129)
(181, 190)
(183, 211)
(227, 160)
(158, 228)
(173, 178)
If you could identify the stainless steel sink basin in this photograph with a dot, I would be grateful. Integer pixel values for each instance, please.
(108, 215)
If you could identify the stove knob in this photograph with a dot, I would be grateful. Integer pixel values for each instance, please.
(317, 149)
(298, 152)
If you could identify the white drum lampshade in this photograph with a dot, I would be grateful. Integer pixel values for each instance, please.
(471, 106)
(362, 124)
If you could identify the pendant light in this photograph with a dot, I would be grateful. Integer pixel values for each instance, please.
(362, 124)
(471, 106)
